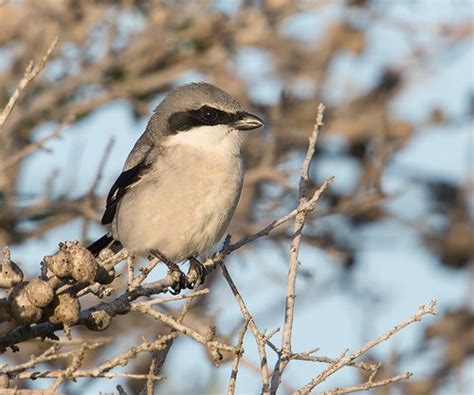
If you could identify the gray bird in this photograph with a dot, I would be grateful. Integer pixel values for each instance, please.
(182, 180)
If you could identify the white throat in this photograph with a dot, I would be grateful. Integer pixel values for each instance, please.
(213, 139)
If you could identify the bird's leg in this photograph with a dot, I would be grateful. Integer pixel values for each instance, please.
(173, 270)
(196, 270)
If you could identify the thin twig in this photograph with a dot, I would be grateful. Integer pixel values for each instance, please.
(316, 358)
(295, 243)
(159, 357)
(181, 328)
(259, 337)
(74, 365)
(367, 385)
(238, 355)
(193, 294)
(49, 355)
(300, 220)
(130, 271)
(36, 145)
(145, 271)
(340, 363)
(187, 305)
(150, 382)
(32, 70)
(84, 373)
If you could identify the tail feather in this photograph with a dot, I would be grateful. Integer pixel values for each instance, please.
(105, 241)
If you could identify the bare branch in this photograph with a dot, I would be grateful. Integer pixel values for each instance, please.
(299, 224)
(367, 385)
(235, 363)
(30, 73)
(27, 150)
(259, 336)
(300, 220)
(211, 344)
(191, 295)
(340, 363)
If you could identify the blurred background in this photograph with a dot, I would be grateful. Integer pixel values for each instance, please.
(393, 231)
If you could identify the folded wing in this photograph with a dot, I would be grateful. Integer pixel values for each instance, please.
(124, 182)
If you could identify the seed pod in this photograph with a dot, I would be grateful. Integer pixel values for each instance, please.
(66, 311)
(23, 311)
(98, 321)
(84, 265)
(60, 263)
(10, 272)
(39, 292)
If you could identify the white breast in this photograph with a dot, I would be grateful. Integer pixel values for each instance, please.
(184, 206)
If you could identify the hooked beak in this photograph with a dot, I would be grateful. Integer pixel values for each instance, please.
(248, 122)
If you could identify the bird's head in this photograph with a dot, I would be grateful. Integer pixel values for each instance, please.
(203, 115)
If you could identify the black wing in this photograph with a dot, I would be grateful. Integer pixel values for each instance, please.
(123, 183)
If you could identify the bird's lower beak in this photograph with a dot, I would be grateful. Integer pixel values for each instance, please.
(248, 122)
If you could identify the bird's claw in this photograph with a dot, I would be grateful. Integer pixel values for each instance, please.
(179, 278)
(196, 271)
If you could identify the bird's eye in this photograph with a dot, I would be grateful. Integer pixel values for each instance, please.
(209, 114)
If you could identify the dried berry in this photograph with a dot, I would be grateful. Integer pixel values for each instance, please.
(98, 320)
(23, 311)
(39, 292)
(84, 265)
(60, 263)
(10, 272)
(66, 311)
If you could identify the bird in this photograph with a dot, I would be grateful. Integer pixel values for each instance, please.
(181, 182)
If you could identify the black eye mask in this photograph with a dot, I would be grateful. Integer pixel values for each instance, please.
(206, 115)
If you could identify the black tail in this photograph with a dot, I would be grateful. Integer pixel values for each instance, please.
(104, 242)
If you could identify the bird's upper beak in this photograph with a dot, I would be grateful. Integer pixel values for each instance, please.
(248, 122)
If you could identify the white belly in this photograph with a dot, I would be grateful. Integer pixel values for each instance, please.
(182, 209)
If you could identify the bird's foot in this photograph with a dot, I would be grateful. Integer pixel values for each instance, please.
(197, 272)
(179, 278)
(180, 281)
